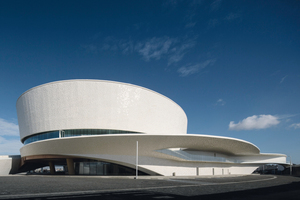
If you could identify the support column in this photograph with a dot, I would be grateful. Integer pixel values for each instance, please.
(52, 168)
(70, 164)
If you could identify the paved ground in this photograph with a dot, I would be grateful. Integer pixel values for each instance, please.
(41, 187)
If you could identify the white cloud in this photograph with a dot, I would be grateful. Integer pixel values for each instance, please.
(283, 79)
(295, 125)
(255, 122)
(220, 102)
(8, 128)
(9, 147)
(192, 69)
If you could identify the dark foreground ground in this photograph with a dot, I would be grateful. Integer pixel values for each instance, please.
(41, 187)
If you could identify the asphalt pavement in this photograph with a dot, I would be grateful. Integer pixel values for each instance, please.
(149, 187)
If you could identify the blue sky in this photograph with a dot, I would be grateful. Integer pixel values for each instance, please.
(233, 66)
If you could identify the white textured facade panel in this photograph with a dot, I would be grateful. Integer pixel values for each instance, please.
(93, 104)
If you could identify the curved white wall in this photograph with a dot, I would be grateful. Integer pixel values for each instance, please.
(94, 104)
(199, 152)
(9, 164)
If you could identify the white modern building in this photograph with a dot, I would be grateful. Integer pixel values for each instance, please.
(93, 127)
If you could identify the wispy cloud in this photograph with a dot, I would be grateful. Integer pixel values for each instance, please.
(255, 122)
(9, 147)
(283, 79)
(192, 13)
(192, 69)
(220, 102)
(214, 6)
(213, 23)
(285, 116)
(173, 49)
(295, 125)
(126, 46)
(177, 53)
(110, 44)
(275, 73)
(155, 48)
(170, 3)
(232, 16)
(11, 130)
(90, 48)
(8, 128)
(190, 25)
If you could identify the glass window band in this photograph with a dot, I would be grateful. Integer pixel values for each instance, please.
(73, 133)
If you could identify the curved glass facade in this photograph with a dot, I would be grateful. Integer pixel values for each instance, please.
(94, 167)
(42, 136)
(73, 133)
(80, 132)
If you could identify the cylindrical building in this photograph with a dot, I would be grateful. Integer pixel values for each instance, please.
(93, 126)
